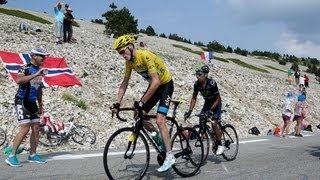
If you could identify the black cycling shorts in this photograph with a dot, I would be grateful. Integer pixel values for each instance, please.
(164, 94)
(216, 112)
(27, 111)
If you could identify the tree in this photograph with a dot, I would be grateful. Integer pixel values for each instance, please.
(150, 31)
(3, 2)
(120, 22)
(163, 35)
(216, 46)
(229, 49)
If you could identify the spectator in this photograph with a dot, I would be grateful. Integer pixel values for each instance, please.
(290, 76)
(287, 113)
(58, 18)
(306, 81)
(297, 75)
(298, 113)
(67, 25)
(141, 44)
(28, 104)
(304, 92)
(301, 83)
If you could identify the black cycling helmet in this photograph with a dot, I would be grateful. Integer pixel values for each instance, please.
(202, 68)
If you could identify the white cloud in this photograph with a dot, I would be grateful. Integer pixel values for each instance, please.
(299, 17)
(289, 44)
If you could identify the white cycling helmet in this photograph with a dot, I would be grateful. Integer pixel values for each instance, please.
(39, 51)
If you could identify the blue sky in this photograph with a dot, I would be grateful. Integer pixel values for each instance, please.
(284, 26)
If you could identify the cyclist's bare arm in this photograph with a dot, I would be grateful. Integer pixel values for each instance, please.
(155, 83)
(22, 78)
(122, 89)
(192, 102)
(216, 102)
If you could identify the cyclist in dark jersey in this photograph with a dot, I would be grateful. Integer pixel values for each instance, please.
(212, 105)
(29, 80)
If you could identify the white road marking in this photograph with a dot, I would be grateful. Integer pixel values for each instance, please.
(224, 167)
(82, 156)
(252, 141)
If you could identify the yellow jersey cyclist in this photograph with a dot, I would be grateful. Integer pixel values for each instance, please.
(212, 100)
(153, 69)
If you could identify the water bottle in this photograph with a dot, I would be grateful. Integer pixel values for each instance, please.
(8, 150)
(157, 139)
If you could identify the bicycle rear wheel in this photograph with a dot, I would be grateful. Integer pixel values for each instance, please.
(206, 143)
(3, 136)
(230, 141)
(187, 151)
(119, 164)
(83, 134)
(49, 139)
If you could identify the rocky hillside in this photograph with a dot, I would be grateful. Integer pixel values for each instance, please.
(251, 98)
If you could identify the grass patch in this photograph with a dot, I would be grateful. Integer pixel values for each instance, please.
(274, 68)
(246, 65)
(24, 15)
(80, 103)
(186, 49)
(74, 23)
(221, 59)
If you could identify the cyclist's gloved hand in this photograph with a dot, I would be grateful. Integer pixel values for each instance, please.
(139, 105)
(187, 114)
(115, 106)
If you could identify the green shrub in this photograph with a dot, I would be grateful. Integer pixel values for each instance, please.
(186, 49)
(74, 23)
(274, 68)
(80, 103)
(24, 15)
(221, 59)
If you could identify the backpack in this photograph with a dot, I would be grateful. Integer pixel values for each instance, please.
(276, 131)
(254, 131)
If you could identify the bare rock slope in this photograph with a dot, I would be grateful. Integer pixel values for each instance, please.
(251, 98)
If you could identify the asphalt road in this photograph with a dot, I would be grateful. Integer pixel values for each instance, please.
(266, 157)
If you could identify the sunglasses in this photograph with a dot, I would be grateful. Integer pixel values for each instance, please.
(43, 56)
(122, 51)
(199, 74)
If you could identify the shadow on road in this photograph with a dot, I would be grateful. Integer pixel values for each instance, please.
(314, 151)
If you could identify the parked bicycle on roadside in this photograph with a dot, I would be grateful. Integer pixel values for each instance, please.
(53, 133)
(127, 154)
(3, 137)
(229, 137)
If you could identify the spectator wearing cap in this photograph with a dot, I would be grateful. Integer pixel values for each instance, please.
(67, 25)
(287, 111)
(28, 105)
(58, 20)
(298, 114)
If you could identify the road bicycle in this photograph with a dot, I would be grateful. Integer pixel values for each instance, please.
(50, 135)
(127, 153)
(3, 136)
(229, 137)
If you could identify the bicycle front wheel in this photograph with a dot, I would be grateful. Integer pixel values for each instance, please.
(230, 141)
(121, 161)
(3, 136)
(187, 151)
(206, 142)
(83, 134)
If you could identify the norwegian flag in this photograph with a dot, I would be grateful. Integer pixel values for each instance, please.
(59, 74)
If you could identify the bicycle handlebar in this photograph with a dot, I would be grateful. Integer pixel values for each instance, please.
(122, 109)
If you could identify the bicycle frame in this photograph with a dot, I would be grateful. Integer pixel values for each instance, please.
(139, 129)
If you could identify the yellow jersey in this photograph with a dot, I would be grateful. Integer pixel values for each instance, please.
(146, 63)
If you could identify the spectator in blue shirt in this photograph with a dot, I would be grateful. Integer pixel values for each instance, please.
(58, 20)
